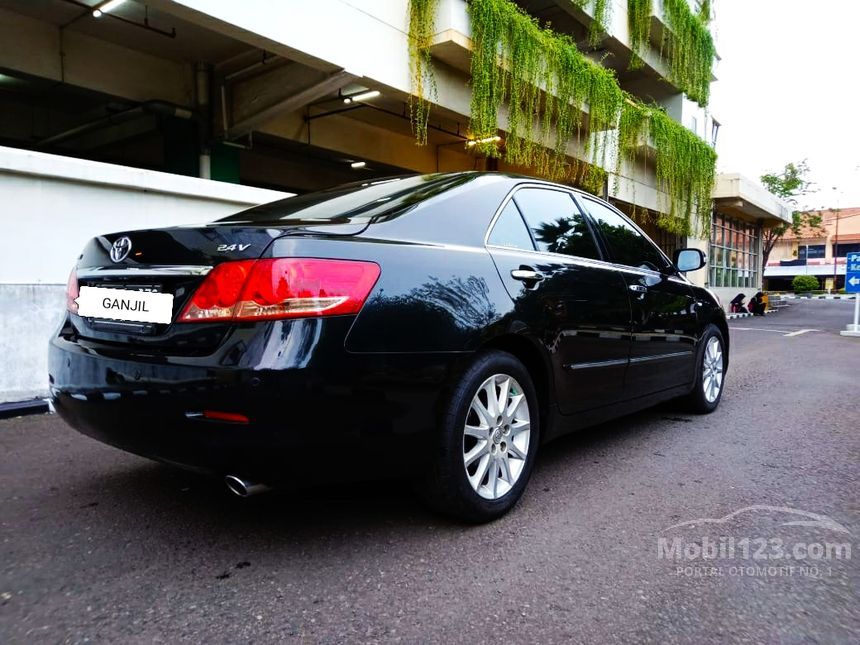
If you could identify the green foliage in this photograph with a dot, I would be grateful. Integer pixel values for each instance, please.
(789, 184)
(691, 50)
(687, 44)
(639, 23)
(685, 165)
(555, 94)
(548, 84)
(422, 16)
(803, 283)
(601, 11)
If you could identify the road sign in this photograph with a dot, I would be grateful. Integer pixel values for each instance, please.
(852, 273)
(852, 285)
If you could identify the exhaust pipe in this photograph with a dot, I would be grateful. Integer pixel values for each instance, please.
(243, 487)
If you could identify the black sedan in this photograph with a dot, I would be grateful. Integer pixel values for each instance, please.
(438, 327)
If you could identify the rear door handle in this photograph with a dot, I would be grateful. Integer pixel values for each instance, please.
(638, 288)
(527, 275)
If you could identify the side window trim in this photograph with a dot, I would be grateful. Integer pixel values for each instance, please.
(509, 199)
(585, 217)
(604, 245)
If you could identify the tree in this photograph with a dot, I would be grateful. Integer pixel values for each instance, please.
(789, 184)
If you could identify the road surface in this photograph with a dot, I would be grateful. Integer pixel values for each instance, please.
(98, 545)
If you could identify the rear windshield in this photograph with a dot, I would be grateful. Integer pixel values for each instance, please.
(352, 203)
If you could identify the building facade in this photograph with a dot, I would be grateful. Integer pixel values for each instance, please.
(819, 251)
(288, 96)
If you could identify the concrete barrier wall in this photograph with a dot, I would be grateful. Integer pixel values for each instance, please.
(49, 207)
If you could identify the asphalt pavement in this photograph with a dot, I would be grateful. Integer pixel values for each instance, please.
(623, 535)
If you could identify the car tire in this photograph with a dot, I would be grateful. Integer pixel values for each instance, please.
(710, 373)
(483, 458)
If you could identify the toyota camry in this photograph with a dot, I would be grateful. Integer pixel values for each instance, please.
(439, 328)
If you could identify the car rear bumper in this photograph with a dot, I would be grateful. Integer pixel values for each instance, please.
(349, 416)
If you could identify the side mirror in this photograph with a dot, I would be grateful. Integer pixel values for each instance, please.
(689, 259)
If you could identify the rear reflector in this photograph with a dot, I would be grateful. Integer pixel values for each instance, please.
(232, 417)
(249, 290)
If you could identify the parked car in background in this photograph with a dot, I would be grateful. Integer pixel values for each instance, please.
(440, 328)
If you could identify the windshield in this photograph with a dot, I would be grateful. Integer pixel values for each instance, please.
(359, 202)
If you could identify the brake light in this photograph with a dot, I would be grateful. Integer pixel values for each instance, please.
(72, 291)
(249, 290)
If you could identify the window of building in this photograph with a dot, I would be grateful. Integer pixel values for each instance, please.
(842, 250)
(510, 231)
(734, 257)
(715, 132)
(555, 222)
(810, 251)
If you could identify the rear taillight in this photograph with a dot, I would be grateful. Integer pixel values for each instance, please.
(281, 288)
(72, 291)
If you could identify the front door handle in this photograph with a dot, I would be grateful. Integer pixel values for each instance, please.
(638, 288)
(527, 275)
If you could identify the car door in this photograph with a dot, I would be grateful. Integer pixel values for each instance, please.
(549, 260)
(662, 304)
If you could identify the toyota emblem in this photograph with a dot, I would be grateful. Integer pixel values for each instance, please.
(120, 249)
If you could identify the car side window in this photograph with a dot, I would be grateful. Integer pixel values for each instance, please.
(626, 244)
(556, 223)
(510, 230)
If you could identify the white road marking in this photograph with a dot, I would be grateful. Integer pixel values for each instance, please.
(776, 331)
(801, 331)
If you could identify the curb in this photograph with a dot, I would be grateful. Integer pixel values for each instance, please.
(21, 408)
(749, 315)
(821, 297)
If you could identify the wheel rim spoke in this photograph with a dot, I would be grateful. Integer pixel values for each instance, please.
(484, 415)
(480, 449)
(515, 452)
(492, 400)
(493, 479)
(511, 410)
(478, 432)
(518, 427)
(506, 470)
(480, 472)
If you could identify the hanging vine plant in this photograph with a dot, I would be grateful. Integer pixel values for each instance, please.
(685, 165)
(601, 12)
(548, 85)
(422, 16)
(691, 50)
(687, 44)
(639, 25)
(555, 94)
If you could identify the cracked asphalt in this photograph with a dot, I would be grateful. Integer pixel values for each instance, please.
(101, 546)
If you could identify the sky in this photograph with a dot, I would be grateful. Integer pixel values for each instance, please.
(788, 89)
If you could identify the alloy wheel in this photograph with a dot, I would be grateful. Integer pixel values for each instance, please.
(496, 436)
(712, 369)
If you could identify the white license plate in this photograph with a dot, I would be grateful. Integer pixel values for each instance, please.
(125, 304)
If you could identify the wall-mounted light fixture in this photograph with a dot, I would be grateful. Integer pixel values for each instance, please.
(361, 96)
(474, 142)
(106, 7)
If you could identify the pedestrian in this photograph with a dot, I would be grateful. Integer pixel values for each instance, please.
(737, 304)
(757, 304)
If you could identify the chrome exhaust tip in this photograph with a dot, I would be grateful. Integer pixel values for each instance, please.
(243, 487)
